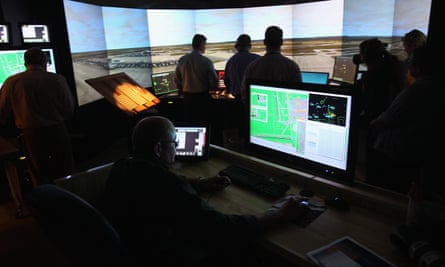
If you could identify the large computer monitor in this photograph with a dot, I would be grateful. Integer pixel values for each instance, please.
(12, 61)
(303, 126)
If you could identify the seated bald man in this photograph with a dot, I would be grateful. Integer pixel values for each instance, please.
(162, 218)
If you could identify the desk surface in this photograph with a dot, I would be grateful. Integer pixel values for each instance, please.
(374, 213)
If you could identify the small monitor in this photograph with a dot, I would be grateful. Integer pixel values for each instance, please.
(315, 77)
(221, 84)
(193, 141)
(5, 37)
(303, 126)
(13, 62)
(345, 71)
(164, 83)
(34, 33)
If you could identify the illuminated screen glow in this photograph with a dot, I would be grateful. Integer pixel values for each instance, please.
(13, 62)
(35, 33)
(310, 125)
(192, 141)
(4, 34)
(139, 42)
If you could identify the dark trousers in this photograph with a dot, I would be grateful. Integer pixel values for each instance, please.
(197, 107)
(49, 152)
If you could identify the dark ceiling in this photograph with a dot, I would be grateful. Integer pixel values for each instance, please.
(188, 4)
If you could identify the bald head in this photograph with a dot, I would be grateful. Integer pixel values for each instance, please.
(149, 133)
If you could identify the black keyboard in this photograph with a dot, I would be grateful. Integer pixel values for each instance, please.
(257, 182)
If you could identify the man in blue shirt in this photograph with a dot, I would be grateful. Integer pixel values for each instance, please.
(234, 70)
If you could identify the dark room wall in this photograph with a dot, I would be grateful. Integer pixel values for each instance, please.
(94, 126)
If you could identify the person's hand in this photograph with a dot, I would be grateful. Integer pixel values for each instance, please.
(291, 208)
(214, 183)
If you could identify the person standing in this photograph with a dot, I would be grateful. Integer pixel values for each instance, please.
(233, 76)
(273, 66)
(195, 77)
(237, 64)
(407, 132)
(383, 80)
(411, 40)
(39, 103)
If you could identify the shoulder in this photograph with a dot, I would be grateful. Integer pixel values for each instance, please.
(13, 78)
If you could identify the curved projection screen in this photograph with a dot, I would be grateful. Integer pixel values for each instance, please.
(140, 42)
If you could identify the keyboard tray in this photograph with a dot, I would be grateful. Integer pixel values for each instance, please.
(252, 180)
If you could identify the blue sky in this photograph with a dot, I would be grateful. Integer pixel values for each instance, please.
(94, 28)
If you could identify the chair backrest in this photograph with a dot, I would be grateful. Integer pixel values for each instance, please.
(88, 184)
(83, 235)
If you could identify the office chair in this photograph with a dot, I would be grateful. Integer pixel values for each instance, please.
(81, 233)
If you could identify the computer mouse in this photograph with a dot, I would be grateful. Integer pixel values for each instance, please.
(337, 203)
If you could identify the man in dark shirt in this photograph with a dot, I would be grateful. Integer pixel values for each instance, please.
(407, 132)
(234, 70)
(160, 215)
(273, 66)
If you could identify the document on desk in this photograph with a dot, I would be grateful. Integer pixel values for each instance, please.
(346, 252)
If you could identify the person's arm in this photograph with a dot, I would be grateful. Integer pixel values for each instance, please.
(227, 81)
(5, 105)
(66, 98)
(213, 77)
(290, 211)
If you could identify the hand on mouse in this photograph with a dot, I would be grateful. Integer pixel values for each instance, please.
(211, 184)
(293, 209)
(289, 209)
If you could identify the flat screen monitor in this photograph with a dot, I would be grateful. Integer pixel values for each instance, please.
(34, 33)
(5, 38)
(193, 141)
(12, 61)
(221, 84)
(164, 83)
(303, 126)
(344, 70)
(315, 77)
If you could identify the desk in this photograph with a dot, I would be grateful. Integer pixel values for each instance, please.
(8, 154)
(374, 213)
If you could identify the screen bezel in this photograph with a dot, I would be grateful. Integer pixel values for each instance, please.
(26, 42)
(206, 149)
(292, 161)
